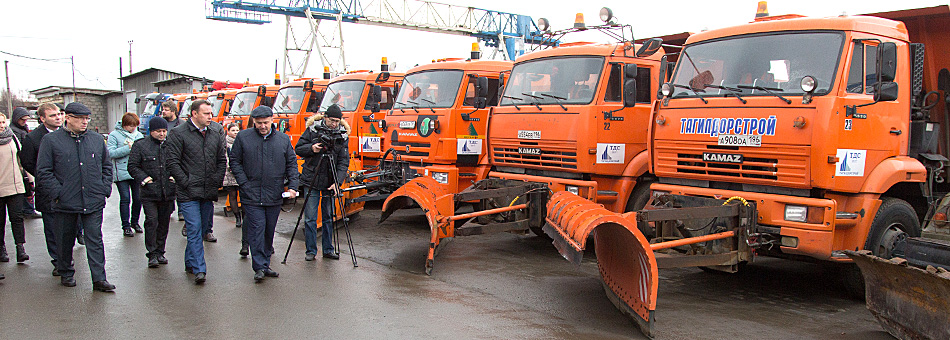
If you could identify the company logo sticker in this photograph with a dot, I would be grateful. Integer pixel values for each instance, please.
(722, 157)
(850, 163)
(469, 147)
(610, 153)
(370, 144)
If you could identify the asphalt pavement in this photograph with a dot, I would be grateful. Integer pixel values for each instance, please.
(501, 286)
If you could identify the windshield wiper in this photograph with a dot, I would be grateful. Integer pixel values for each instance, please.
(514, 98)
(693, 91)
(732, 91)
(431, 103)
(400, 108)
(556, 98)
(536, 104)
(767, 90)
(413, 107)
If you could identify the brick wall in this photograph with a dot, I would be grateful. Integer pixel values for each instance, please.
(95, 103)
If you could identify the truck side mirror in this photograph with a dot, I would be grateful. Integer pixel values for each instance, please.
(313, 104)
(308, 85)
(630, 85)
(886, 62)
(481, 87)
(663, 65)
(375, 96)
(885, 91)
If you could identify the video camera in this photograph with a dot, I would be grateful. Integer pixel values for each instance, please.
(331, 140)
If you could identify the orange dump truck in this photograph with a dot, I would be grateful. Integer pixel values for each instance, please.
(364, 97)
(790, 136)
(438, 125)
(571, 118)
(221, 101)
(296, 101)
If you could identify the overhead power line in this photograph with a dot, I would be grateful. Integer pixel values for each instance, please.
(34, 58)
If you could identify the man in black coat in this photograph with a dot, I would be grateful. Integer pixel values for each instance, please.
(74, 169)
(196, 156)
(52, 118)
(261, 159)
(147, 167)
(322, 188)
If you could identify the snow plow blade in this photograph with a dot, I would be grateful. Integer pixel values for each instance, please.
(435, 203)
(624, 257)
(908, 302)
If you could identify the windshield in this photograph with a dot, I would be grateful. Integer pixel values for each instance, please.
(243, 103)
(570, 80)
(288, 100)
(149, 108)
(746, 64)
(346, 94)
(185, 109)
(429, 89)
(215, 105)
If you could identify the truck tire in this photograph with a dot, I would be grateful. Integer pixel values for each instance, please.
(895, 220)
(638, 199)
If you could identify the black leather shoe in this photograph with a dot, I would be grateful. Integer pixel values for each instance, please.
(55, 272)
(184, 232)
(67, 281)
(209, 237)
(128, 232)
(103, 286)
(161, 259)
(80, 240)
(21, 255)
(137, 228)
(310, 257)
(332, 256)
(200, 278)
(270, 273)
(258, 276)
(244, 250)
(153, 262)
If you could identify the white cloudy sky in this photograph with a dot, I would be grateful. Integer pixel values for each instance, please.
(174, 35)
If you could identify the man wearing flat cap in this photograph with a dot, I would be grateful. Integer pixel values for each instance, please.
(74, 170)
(262, 159)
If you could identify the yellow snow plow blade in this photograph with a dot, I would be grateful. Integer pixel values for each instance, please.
(624, 256)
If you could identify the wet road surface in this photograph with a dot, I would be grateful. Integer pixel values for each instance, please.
(501, 286)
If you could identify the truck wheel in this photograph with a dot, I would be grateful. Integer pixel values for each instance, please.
(638, 199)
(895, 220)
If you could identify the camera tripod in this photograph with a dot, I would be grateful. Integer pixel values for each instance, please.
(337, 196)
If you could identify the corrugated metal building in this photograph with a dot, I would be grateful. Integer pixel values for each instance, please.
(150, 80)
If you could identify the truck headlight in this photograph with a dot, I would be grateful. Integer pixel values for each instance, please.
(796, 213)
(441, 177)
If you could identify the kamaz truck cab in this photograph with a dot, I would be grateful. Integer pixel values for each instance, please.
(364, 97)
(246, 100)
(153, 107)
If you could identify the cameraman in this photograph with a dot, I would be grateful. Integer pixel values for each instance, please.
(321, 137)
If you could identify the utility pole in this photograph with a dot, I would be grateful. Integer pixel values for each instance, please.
(72, 62)
(121, 87)
(130, 56)
(6, 71)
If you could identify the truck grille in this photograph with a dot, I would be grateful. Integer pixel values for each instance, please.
(554, 155)
(420, 150)
(785, 165)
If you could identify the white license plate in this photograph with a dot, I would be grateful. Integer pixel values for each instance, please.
(740, 140)
(526, 134)
(407, 124)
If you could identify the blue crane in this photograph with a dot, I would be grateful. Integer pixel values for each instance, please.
(507, 33)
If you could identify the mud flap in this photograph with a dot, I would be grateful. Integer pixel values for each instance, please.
(626, 262)
(435, 203)
(909, 302)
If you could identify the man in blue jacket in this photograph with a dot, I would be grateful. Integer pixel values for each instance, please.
(261, 160)
(74, 170)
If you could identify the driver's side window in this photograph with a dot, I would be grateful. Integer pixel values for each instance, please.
(862, 75)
